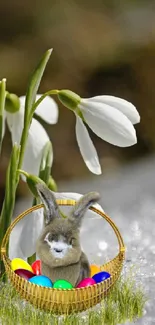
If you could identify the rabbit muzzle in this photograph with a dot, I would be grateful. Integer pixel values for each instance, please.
(59, 249)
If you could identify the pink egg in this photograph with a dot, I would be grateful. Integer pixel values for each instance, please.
(86, 282)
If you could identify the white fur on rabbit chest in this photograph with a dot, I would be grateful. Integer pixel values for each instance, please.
(58, 248)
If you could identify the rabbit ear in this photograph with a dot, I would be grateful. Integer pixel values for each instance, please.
(83, 205)
(49, 201)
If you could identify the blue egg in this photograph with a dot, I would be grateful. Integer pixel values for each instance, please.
(101, 276)
(41, 280)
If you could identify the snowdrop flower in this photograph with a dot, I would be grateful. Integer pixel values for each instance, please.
(37, 137)
(23, 237)
(110, 118)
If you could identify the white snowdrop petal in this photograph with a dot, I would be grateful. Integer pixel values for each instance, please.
(15, 124)
(67, 196)
(36, 141)
(22, 102)
(127, 108)
(47, 110)
(31, 230)
(23, 237)
(109, 124)
(14, 245)
(87, 148)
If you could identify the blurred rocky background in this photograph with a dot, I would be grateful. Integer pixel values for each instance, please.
(100, 47)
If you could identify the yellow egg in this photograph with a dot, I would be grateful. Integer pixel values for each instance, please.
(18, 263)
(94, 269)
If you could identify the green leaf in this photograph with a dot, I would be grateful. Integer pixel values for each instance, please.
(10, 195)
(10, 191)
(46, 162)
(2, 95)
(30, 100)
(1, 130)
(35, 82)
(2, 106)
(52, 184)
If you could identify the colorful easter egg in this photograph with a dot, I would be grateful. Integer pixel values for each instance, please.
(36, 267)
(24, 273)
(101, 276)
(94, 269)
(41, 280)
(86, 282)
(18, 263)
(62, 284)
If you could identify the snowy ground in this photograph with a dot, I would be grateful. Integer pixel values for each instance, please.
(128, 196)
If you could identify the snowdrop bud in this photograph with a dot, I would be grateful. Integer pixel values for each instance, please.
(52, 184)
(32, 181)
(12, 103)
(69, 99)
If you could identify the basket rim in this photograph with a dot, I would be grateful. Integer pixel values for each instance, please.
(65, 290)
(120, 255)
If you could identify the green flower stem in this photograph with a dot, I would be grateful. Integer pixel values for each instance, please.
(2, 106)
(46, 162)
(66, 97)
(48, 93)
(10, 195)
(22, 150)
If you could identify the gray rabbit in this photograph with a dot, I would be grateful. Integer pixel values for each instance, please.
(58, 246)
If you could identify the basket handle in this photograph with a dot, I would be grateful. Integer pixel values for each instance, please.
(61, 202)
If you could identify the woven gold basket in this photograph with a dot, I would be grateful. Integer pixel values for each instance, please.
(60, 301)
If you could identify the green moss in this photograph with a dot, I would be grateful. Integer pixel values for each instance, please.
(125, 302)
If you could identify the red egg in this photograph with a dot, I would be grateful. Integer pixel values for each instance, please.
(86, 282)
(36, 267)
(24, 273)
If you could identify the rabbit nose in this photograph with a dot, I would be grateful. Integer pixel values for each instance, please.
(58, 250)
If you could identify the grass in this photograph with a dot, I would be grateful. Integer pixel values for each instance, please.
(125, 302)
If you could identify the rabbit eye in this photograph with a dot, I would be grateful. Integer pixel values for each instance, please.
(71, 242)
(50, 237)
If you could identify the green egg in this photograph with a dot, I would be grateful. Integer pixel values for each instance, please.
(62, 284)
